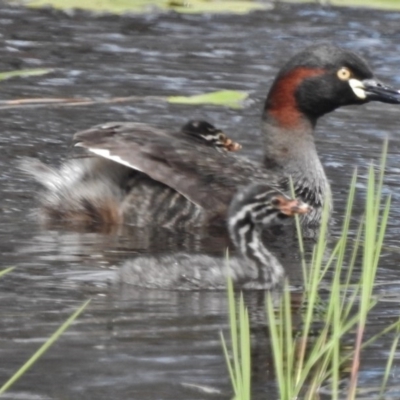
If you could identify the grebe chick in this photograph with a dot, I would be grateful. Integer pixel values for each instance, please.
(252, 209)
(210, 135)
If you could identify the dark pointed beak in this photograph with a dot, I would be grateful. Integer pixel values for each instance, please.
(377, 91)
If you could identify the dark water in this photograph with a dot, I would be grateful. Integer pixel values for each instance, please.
(140, 344)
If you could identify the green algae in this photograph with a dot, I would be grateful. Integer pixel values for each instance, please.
(23, 73)
(143, 6)
(228, 98)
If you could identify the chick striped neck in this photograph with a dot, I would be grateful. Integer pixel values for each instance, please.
(250, 211)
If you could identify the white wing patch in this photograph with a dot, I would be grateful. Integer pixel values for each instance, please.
(106, 154)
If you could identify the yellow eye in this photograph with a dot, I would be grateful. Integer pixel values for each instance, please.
(344, 74)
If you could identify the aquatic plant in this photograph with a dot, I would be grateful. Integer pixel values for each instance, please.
(188, 6)
(45, 346)
(313, 356)
(147, 6)
(240, 366)
(24, 73)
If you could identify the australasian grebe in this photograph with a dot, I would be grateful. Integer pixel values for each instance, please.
(89, 191)
(314, 82)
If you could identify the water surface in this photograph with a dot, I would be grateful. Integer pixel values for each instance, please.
(142, 344)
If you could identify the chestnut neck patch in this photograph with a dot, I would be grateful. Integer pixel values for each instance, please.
(281, 103)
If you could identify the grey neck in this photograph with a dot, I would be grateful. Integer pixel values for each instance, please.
(292, 152)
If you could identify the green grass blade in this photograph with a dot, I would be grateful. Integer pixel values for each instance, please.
(6, 271)
(244, 329)
(299, 238)
(239, 365)
(44, 347)
(228, 363)
(390, 361)
(289, 344)
(381, 233)
(381, 175)
(345, 228)
(233, 332)
(277, 350)
(312, 293)
(234, 338)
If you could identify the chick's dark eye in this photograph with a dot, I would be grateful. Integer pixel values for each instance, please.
(276, 201)
(344, 74)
